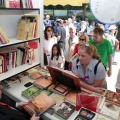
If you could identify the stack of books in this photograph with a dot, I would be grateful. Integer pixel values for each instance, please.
(27, 27)
(10, 82)
(3, 37)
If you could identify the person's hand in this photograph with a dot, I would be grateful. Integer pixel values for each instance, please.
(21, 104)
(98, 89)
(109, 73)
(35, 117)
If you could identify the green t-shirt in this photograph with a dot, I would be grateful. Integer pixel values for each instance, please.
(104, 49)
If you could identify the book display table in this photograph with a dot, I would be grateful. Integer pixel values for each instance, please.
(107, 108)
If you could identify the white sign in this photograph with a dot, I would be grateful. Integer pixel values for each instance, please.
(106, 11)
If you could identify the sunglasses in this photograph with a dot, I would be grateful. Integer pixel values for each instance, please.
(81, 39)
(49, 30)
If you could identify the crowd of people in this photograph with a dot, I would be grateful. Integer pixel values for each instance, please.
(87, 49)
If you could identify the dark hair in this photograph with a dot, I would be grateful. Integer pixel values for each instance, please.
(58, 51)
(99, 31)
(45, 32)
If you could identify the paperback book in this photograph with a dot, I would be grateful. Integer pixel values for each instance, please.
(86, 114)
(31, 92)
(65, 110)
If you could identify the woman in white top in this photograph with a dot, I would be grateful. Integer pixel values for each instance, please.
(56, 59)
(49, 41)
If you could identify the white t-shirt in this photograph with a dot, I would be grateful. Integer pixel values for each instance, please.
(47, 45)
(54, 62)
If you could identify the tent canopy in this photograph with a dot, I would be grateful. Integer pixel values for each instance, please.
(65, 2)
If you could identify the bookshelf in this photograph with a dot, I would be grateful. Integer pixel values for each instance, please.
(9, 18)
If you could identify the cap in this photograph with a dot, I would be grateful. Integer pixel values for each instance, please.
(59, 21)
(112, 27)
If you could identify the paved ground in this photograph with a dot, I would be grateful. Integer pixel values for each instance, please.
(111, 81)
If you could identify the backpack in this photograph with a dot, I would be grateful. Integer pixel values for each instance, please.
(95, 69)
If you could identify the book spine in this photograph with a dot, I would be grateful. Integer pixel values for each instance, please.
(2, 39)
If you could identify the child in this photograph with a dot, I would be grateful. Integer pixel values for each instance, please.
(56, 60)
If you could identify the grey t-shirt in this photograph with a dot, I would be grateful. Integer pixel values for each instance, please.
(90, 75)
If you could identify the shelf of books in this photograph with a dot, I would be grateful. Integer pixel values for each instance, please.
(14, 41)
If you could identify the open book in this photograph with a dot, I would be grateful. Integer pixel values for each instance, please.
(65, 80)
(39, 104)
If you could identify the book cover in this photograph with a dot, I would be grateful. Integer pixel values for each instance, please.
(113, 97)
(101, 117)
(60, 89)
(65, 110)
(43, 82)
(71, 96)
(29, 92)
(110, 110)
(86, 114)
(39, 104)
(87, 101)
(64, 77)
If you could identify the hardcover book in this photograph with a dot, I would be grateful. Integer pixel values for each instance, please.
(43, 82)
(39, 104)
(65, 110)
(64, 81)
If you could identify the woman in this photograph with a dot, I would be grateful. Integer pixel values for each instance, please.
(49, 41)
(83, 38)
(84, 68)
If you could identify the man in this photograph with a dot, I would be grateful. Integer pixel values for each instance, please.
(104, 48)
(47, 22)
(12, 113)
(61, 35)
(70, 44)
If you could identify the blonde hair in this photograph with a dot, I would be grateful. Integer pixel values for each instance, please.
(85, 35)
(72, 28)
(90, 49)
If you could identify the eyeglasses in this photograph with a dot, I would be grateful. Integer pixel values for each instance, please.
(49, 30)
(81, 39)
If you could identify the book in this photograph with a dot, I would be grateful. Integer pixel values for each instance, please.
(35, 75)
(68, 79)
(113, 97)
(39, 104)
(65, 110)
(101, 117)
(8, 83)
(86, 114)
(43, 82)
(29, 92)
(100, 102)
(71, 96)
(110, 110)
(87, 101)
(60, 89)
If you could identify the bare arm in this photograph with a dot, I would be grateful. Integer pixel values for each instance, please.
(94, 87)
(58, 38)
(109, 72)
